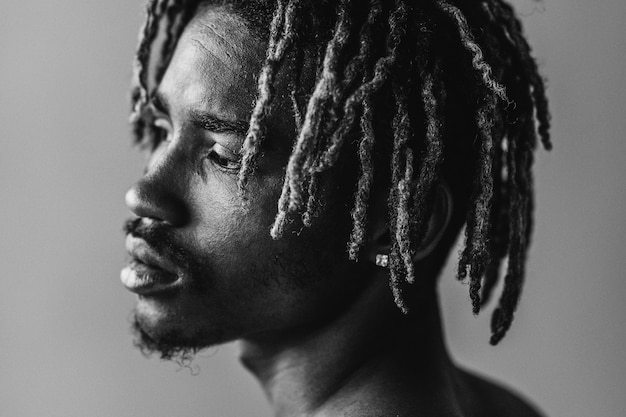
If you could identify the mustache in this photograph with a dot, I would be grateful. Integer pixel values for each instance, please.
(159, 237)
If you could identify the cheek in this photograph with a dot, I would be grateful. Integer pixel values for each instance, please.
(262, 283)
(234, 240)
(227, 234)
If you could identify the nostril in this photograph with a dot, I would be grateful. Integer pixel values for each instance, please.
(146, 199)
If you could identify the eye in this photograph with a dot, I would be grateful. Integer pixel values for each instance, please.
(162, 130)
(159, 134)
(224, 158)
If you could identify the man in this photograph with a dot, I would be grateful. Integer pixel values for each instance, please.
(277, 133)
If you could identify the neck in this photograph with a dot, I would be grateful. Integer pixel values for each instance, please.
(371, 356)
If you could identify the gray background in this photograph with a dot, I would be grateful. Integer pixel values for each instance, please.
(65, 163)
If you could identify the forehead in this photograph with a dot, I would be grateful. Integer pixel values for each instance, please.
(230, 37)
(215, 65)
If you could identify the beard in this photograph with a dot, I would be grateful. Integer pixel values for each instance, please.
(225, 297)
(167, 346)
(170, 345)
(173, 344)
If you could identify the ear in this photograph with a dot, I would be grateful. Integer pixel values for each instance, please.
(380, 241)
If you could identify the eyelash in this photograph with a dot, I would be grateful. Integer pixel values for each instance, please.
(224, 163)
(220, 161)
(158, 135)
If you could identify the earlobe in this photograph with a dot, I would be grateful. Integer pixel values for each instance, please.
(379, 245)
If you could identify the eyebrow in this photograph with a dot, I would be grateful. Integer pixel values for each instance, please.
(204, 120)
(215, 124)
(160, 103)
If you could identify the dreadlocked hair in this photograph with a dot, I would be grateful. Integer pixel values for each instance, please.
(420, 93)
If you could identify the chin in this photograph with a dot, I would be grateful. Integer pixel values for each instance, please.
(161, 330)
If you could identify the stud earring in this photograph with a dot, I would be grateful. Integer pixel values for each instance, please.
(382, 260)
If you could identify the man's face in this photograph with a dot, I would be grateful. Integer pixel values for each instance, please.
(204, 266)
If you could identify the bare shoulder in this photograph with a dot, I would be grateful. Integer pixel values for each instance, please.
(496, 400)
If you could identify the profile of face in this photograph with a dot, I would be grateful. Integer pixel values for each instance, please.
(203, 263)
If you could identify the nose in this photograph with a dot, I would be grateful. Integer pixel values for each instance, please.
(157, 195)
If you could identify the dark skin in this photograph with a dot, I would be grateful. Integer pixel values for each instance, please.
(322, 334)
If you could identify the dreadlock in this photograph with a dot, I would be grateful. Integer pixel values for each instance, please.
(429, 91)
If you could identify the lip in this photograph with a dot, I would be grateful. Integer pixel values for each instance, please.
(148, 273)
